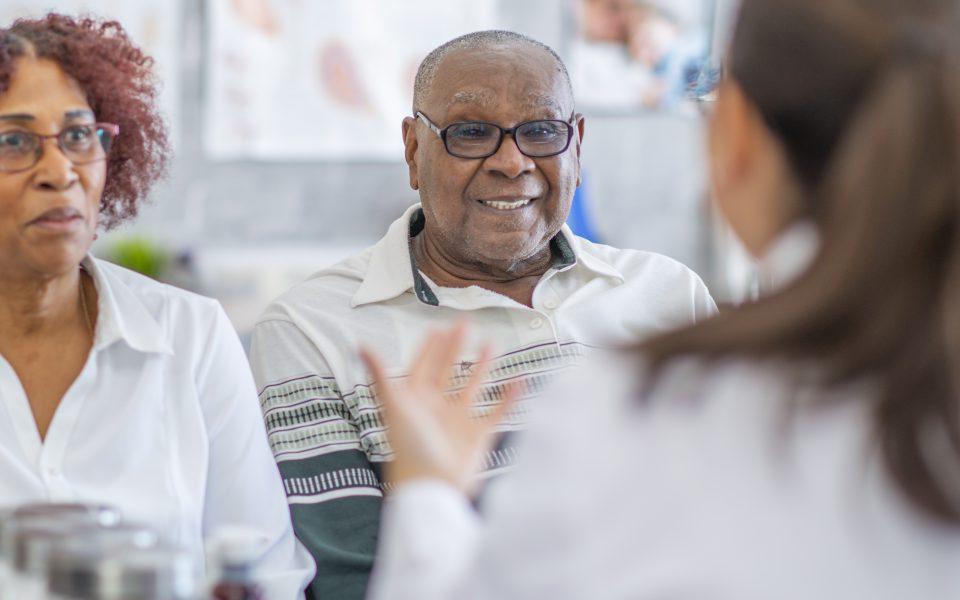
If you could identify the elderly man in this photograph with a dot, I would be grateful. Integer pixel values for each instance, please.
(493, 148)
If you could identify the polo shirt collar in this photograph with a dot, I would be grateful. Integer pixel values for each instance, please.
(390, 271)
(589, 261)
(393, 270)
(121, 314)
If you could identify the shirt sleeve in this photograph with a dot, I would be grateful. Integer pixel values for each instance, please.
(431, 536)
(243, 487)
(435, 547)
(333, 489)
(704, 306)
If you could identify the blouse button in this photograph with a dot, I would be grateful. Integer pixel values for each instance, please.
(550, 304)
(536, 323)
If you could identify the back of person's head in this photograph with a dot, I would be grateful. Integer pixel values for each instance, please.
(864, 98)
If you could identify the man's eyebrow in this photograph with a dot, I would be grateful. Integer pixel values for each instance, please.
(489, 99)
(17, 117)
(545, 101)
(482, 98)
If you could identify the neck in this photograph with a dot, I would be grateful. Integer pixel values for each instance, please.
(514, 279)
(40, 306)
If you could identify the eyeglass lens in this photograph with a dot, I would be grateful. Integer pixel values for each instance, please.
(536, 138)
(81, 144)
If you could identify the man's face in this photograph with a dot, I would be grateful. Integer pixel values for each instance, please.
(464, 200)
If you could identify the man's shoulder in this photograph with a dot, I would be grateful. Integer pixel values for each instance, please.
(639, 265)
(329, 287)
(178, 307)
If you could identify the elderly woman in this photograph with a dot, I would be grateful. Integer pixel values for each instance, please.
(114, 388)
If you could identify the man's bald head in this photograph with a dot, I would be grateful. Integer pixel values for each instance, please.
(478, 40)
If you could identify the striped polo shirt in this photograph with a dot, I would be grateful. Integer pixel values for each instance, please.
(321, 411)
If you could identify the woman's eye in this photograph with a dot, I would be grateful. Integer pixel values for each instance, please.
(14, 140)
(78, 134)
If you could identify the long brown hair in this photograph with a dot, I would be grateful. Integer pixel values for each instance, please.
(865, 97)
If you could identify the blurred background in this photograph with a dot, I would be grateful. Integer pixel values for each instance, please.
(285, 117)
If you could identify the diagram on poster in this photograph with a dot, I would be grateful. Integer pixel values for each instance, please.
(297, 80)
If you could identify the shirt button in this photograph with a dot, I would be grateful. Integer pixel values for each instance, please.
(536, 323)
(550, 304)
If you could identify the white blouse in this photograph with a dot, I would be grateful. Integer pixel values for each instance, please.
(715, 489)
(163, 422)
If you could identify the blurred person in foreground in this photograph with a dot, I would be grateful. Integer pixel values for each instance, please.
(493, 148)
(805, 446)
(114, 388)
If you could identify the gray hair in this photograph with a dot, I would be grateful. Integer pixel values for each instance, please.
(478, 40)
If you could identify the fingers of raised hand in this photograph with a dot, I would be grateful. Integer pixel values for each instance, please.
(511, 393)
(438, 353)
(449, 353)
(481, 369)
(421, 369)
(384, 391)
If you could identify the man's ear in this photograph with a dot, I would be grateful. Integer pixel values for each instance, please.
(410, 146)
(578, 135)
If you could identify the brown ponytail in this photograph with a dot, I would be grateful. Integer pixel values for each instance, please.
(872, 131)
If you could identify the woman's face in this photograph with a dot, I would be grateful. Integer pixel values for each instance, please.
(751, 181)
(48, 213)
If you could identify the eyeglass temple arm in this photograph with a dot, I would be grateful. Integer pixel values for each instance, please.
(427, 122)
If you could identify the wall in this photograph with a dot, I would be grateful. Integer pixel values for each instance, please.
(253, 229)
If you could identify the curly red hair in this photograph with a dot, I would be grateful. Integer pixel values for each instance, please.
(118, 81)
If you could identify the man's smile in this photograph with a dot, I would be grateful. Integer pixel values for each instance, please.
(506, 203)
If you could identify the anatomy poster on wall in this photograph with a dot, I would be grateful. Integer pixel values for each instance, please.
(302, 80)
(633, 55)
(154, 25)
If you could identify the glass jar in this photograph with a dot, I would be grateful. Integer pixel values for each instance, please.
(72, 565)
(29, 534)
(156, 574)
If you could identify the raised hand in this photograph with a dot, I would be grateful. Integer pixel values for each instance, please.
(433, 434)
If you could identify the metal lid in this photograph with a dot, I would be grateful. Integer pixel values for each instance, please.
(102, 513)
(70, 513)
(31, 540)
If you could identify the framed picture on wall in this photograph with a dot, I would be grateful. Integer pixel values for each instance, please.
(302, 80)
(628, 56)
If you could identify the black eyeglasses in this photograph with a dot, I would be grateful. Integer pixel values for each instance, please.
(81, 144)
(536, 139)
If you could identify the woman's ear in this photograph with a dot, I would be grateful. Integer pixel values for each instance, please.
(731, 147)
(751, 178)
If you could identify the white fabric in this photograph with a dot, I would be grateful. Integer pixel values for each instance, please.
(711, 491)
(788, 256)
(163, 422)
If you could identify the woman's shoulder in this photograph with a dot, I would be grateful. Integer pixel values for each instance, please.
(706, 377)
(132, 293)
(631, 373)
(691, 394)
